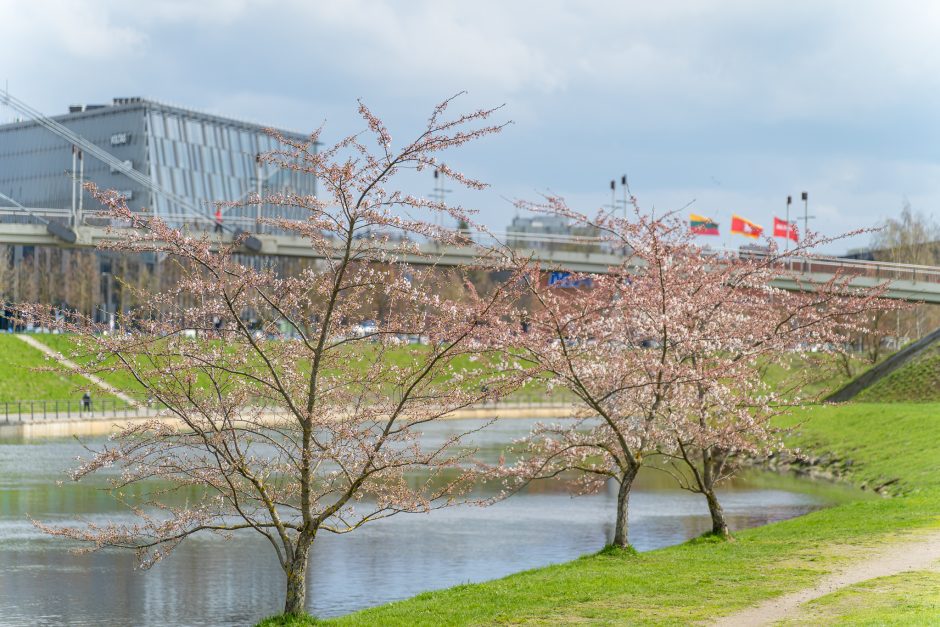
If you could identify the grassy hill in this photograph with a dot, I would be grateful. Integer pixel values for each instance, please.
(68, 345)
(14, 383)
(22, 377)
(916, 381)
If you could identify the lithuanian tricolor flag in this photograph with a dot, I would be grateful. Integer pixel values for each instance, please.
(701, 225)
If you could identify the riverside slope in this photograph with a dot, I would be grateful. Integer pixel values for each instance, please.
(704, 580)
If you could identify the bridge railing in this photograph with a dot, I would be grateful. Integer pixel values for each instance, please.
(251, 224)
(15, 215)
(879, 270)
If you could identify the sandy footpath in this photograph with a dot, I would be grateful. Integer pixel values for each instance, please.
(891, 559)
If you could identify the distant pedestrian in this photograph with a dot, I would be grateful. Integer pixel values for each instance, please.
(86, 401)
(218, 219)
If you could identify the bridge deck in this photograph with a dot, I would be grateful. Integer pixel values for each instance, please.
(906, 282)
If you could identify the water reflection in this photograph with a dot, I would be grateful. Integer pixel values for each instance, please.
(210, 581)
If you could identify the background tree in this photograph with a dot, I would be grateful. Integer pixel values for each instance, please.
(913, 238)
(667, 350)
(301, 426)
(582, 335)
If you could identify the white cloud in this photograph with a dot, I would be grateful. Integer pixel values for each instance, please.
(769, 97)
(47, 29)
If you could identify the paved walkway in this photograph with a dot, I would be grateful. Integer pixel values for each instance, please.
(891, 559)
(98, 381)
(48, 413)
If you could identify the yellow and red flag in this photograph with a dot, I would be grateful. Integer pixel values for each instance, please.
(745, 227)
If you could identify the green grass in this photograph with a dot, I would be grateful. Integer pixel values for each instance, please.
(897, 442)
(917, 381)
(705, 578)
(71, 347)
(22, 377)
(828, 378)
(908, 599)
(825, 375)
(283, 620)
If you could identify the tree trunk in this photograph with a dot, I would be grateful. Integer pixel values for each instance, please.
(719, 524)
(623, 501)
(712, 463)
(295, 601)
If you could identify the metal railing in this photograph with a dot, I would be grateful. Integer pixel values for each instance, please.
(14, 215)
(881, 270)
(50, 410)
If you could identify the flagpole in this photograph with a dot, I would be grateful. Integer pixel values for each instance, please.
(787, 241)
(623, 183)
(613, 199)
(806, 215)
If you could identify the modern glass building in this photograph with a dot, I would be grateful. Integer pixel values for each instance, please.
(198, 157)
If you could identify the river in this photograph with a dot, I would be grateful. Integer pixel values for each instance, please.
(213, 581)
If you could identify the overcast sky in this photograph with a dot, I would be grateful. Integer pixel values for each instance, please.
(732, 104)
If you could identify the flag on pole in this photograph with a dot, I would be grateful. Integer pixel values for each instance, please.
(701, 225)
(745, 227)
(782, 229)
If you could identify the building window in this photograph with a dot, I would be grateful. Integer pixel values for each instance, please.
(182, 151)
(156, 125)
(173, 127)
(194, 132)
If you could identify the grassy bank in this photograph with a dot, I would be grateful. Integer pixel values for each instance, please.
(918, 380)
(15, 381)
(68, 345)
(15, 384)
(703, 579)
(23, 375)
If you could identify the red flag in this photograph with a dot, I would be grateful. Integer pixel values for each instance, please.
(745, 227)
(782, 229)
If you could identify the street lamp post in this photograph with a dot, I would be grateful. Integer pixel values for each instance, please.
(613, 200)
(806, 215)
(623, 184)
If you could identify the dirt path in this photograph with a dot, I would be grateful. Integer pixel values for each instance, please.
(104, 385)
(891, 559)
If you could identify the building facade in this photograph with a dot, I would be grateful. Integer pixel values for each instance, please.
(195, 159)
(198, 157)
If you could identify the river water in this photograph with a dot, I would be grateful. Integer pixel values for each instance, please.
(212, 581)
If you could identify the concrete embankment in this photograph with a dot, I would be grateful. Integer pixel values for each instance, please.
(106, 424)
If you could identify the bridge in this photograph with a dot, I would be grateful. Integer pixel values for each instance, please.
(48, 227)
(20, 225)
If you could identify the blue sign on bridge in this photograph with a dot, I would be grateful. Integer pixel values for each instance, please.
(565, 280)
